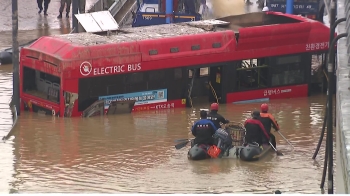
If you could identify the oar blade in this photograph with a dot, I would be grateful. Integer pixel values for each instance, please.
(181, 145)
(180, 140)
(278, 153)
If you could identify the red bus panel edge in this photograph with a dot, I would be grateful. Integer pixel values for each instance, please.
(283, 92)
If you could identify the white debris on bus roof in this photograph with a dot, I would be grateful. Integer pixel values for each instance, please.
(144, 33)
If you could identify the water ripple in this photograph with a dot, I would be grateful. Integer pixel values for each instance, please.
(135, 153)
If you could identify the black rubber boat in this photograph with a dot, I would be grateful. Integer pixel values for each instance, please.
(249, 152)
(6, 55)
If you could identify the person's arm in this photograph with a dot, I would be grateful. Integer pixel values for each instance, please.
(223, 120)
(274, 123)
(193, 130)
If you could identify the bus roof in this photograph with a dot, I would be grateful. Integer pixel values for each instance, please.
(233, 23)
(247, 32)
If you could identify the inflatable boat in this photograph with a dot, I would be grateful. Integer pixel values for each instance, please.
(250, 152)
(6, 55)
(230, 144)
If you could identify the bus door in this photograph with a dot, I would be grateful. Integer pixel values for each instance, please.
(215, 84)
(69, 100)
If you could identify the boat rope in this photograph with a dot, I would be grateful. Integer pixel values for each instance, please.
(214, 92)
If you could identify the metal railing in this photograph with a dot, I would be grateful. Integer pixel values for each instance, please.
(15, 119)
(116, 6)
(343, 159)
(347, 27)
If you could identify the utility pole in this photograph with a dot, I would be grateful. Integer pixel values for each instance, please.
(75, 8)
(290, 6)
(15, 56)
(169, 11)
(331, 61)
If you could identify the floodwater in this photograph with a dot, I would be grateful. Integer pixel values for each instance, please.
(135, 152)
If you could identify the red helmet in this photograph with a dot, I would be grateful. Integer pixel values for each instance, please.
(214, 106)
(264, 107)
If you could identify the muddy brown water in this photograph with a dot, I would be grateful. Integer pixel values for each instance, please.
(135, 152)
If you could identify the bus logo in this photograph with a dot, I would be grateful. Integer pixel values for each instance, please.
(85, 68)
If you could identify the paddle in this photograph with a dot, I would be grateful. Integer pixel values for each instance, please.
(182, 144)
(285, 139)
(180, 140)
(277, 152)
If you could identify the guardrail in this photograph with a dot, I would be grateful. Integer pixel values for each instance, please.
(116, 6)
(15, 119)
(343, 103)
(347, 27)
(347, 12)
(100, 5)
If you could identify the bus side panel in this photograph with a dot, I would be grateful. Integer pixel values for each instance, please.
(171, 104)
(269, 93)
(70, 86)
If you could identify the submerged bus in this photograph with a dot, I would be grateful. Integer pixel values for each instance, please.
(262, 55)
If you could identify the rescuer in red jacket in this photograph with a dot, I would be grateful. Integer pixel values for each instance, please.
(255, 131)
(268, 120)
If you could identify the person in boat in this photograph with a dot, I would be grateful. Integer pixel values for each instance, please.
(255, 131)
(215, 117)
(268, 120)
(203, 130)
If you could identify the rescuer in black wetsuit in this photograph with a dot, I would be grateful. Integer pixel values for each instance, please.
(215, 117)
(267, 120)
(255, 131)
(203, 130)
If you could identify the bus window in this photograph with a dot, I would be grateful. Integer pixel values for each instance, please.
(177, 73)
(317, 62)
(40, 84)
(288, 70)
(252, 74)
(135, 78)
(156, 75)
(203, 72)
(156, 79)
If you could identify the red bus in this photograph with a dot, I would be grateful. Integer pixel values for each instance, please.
(262, 55)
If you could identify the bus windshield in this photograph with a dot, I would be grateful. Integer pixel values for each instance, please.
(41, 85)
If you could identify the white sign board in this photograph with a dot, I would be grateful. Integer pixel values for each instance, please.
(97, 21)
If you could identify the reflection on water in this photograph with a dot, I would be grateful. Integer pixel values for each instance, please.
(135, 153)
(42, 29)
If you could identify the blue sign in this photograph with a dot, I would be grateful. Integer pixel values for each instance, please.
(141, 98)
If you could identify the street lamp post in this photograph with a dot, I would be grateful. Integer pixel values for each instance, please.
(15, 56)
(289, 6)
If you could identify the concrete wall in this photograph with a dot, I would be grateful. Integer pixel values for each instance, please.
(342, 176)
